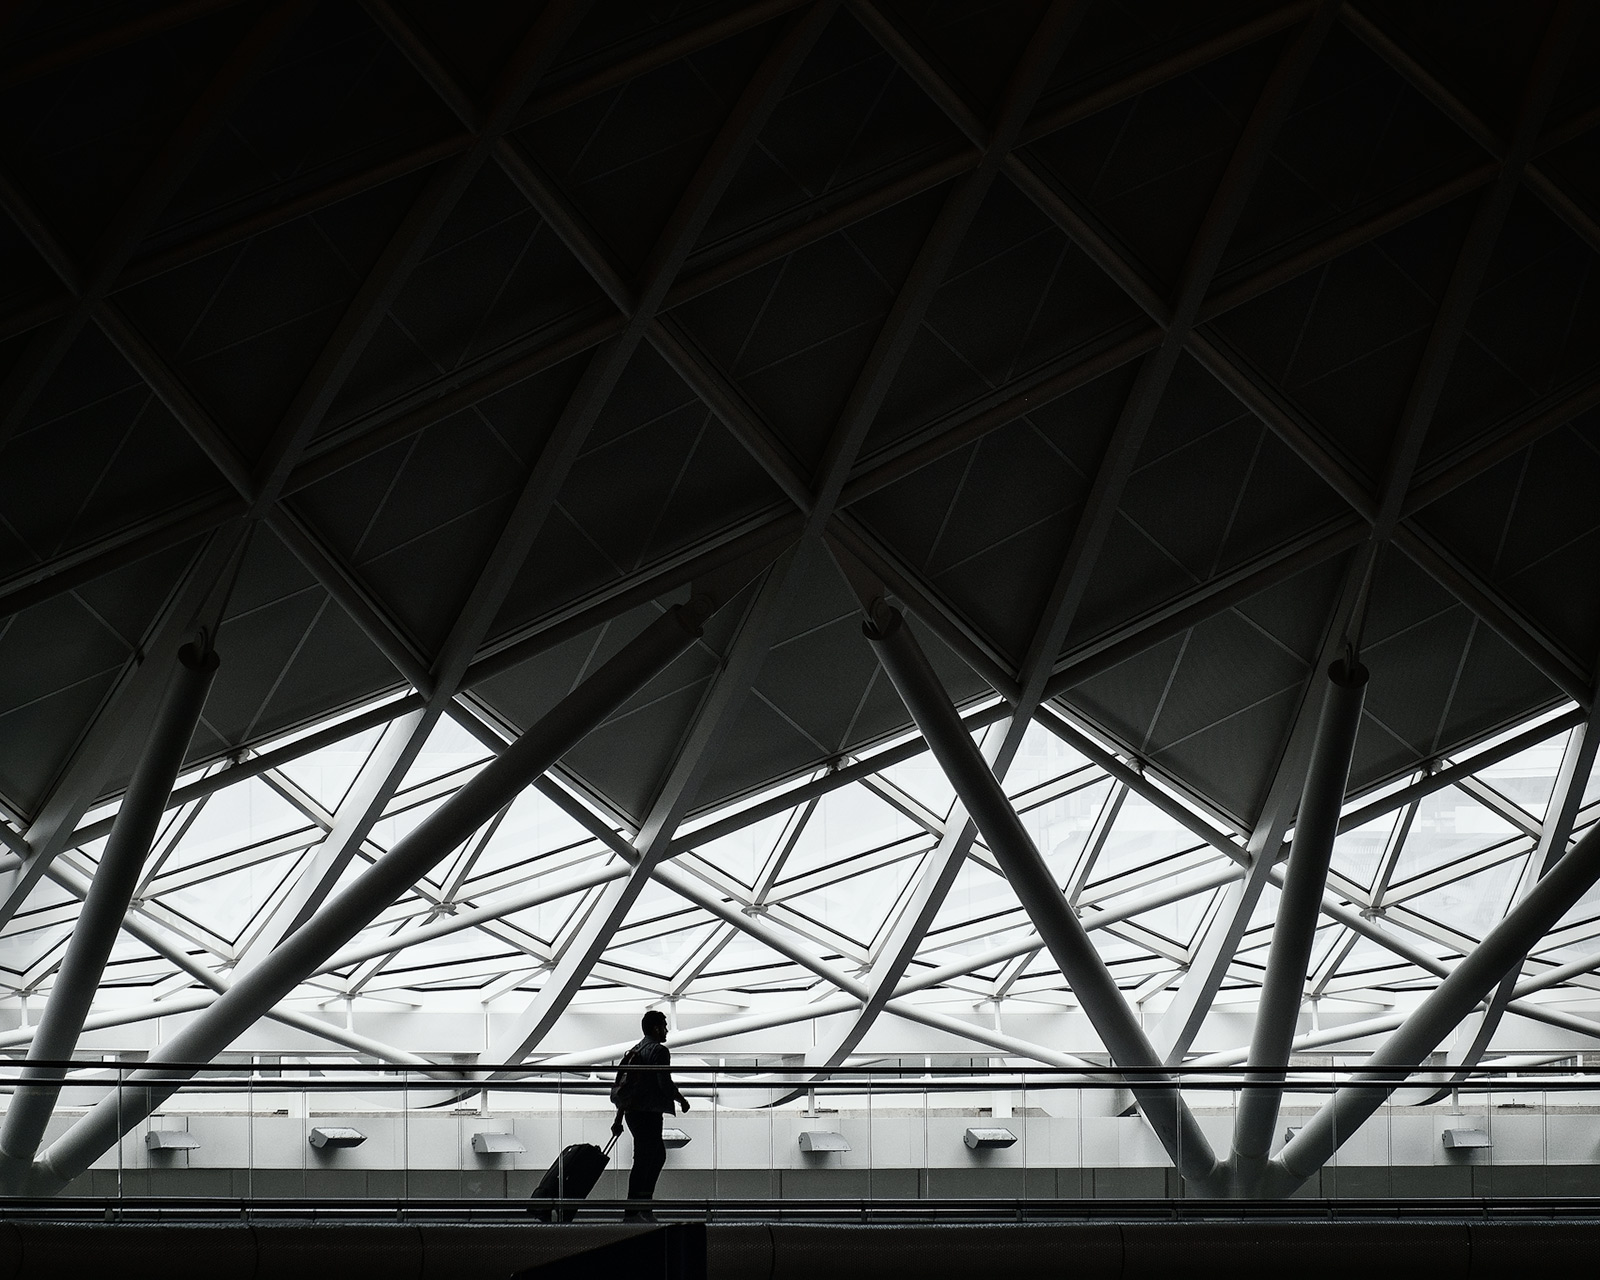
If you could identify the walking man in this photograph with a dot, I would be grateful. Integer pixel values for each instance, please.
(642, 1098)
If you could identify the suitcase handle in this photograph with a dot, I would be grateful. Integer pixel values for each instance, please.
(612, 1143)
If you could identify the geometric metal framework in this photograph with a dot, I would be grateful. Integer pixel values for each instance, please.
(764, 909)
(419, 361)
(1420, 873)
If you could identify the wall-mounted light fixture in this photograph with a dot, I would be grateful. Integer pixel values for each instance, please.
(170, 1140)
(817, 1140)
(1465, 1139)
(334, 1135)
(497, 1144)
(989, 1139)
(674, 1138)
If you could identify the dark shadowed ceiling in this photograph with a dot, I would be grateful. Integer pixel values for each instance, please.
(448, 342)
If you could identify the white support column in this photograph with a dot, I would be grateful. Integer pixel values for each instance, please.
(1059, 927)
(749, 650)
(1454, 998)
(197, 602)
(259, 989)
(1572, 777)
(375, 785)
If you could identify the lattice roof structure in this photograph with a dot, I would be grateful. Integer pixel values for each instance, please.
(1147, 354)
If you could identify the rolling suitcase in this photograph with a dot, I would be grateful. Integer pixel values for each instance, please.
(572, 1177)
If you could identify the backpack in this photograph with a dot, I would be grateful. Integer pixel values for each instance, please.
(625, 1088)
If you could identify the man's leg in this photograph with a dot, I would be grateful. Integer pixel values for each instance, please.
(649, 1153)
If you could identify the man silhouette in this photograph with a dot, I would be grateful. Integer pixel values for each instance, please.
(642, 1098)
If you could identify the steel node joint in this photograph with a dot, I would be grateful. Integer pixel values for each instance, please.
(201, 657)
(883, 620)
(696, 611)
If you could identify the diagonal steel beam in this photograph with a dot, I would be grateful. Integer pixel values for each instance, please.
(407, 246)
(94, 932)
(1508, 438)
(1291, 264)
(98, 40)
(1218, 945)
(195, 604)
(1468, 983)
(909, 928)
(1461, 767)
(156, 186)
(928, 271)
(1466, 278)
(785, 943)
(1294, 932)
(159, 939)
(1059, 928)
(1431, 88)
(1509, 622)
(1394, 845)
(861, 408)
(1503, 618)
(694, 208)
(284, 204)
(258, 989)
(261, 488)
(1206, 600)
(771, 870)
(376, 783)
(289, 525)
(1426, 390)
(1248, 159)
(728, 406)
(747, 652)
(187, 522)
(255, 765)
(606, 366)
(1428, 386)
(944, 862)
(1572, 777)
(1249, 156)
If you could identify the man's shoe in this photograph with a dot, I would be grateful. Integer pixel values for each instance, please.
(638, 1215)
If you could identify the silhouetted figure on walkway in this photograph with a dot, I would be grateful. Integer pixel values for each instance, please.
(642, 1098)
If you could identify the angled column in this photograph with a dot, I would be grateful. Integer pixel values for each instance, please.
(1454, 998)
(380, 777)
(1058, 925)
(346, 913)
(95, 932)
(1577, 762)
(1299, 907)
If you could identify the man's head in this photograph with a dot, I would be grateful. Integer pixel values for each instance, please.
(654, 1024)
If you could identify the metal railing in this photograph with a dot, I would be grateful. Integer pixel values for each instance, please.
(780, 1139)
